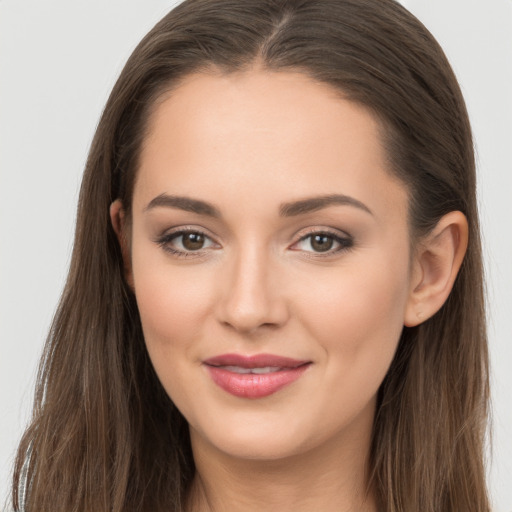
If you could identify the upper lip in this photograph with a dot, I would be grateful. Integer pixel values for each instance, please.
(254, 361)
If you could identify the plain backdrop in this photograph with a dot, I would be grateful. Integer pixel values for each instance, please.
(58, 62)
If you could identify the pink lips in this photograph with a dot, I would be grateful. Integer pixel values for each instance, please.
(254, 376)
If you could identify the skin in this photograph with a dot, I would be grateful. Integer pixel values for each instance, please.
(247, 143)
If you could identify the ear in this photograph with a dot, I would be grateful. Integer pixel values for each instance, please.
(118, 220)
(436, 263)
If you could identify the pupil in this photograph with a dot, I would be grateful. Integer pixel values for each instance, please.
(193, 241)
(322, 243)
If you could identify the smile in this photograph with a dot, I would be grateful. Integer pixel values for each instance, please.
(254, 376)
(259, 371)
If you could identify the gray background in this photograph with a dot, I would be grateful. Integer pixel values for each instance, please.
(58, 61)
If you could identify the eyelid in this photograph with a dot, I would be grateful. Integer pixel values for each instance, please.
(169, 235)
(344, 239)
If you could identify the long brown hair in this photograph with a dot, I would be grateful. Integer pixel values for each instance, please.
(104, 435)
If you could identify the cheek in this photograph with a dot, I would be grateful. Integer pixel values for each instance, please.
(357, 321)
(173, 311)
(174, 304)
(357, 316)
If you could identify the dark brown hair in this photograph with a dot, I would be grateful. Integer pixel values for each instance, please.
(105, 437)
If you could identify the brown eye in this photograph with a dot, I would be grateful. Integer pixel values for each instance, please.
(193, 241)
(321, 242)
(186, 243)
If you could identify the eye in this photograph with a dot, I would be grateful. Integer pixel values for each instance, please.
(323, 242)
(184, 242)
(192, 241)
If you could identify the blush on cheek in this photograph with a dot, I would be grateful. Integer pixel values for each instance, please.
(359, 313)
(166, 321)
(171, 299)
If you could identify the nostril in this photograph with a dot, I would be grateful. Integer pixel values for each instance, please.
(252, 321)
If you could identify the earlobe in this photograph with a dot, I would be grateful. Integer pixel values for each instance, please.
(118, 220)
(436, 265)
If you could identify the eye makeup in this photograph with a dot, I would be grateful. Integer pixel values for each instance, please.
(194, 242)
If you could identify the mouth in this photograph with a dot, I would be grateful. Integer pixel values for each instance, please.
(255, 376)
(255, 371)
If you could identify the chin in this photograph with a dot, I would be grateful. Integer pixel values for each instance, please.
(262, 448)
(256, 437)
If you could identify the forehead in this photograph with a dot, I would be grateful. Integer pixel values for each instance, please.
(262, 132)
(254, 104)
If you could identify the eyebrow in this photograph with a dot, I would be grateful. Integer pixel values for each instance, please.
(183, 203)
(291, 209)
(314, 204)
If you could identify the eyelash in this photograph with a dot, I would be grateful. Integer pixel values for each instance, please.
(345, 243)
(165, 243)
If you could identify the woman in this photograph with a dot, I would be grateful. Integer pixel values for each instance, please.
(275, 297)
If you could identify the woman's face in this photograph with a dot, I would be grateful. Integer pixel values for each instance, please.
(266, 226)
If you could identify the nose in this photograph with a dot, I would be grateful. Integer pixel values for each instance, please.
(252, 297)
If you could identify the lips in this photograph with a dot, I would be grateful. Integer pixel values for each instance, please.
(254, 376)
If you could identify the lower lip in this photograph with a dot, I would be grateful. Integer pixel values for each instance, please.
(252, 385)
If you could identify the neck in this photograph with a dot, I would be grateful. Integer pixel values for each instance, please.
(331, 477)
